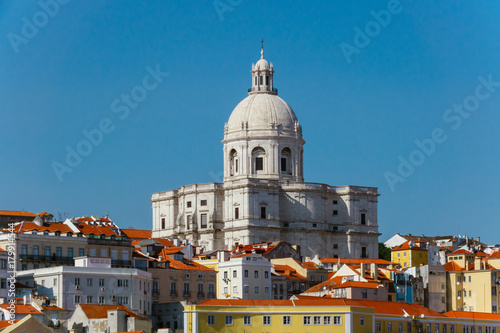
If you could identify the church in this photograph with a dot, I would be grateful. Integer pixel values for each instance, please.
(263, 196)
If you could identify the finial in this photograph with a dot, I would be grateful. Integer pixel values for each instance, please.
(262, 50)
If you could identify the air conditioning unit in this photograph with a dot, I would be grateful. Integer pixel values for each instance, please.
(77, 287)
(112, 297)
(103, 289)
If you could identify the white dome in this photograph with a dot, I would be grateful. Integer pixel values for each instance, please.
(262, 64)
(262, 112)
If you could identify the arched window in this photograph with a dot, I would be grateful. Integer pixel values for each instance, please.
(286, 161)
(258, 160)
(233, 163)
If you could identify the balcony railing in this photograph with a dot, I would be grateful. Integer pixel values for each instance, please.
(37, 257)
(173, 294)
(200, 294)
(186, 294)
(121, 262)
(211, 295)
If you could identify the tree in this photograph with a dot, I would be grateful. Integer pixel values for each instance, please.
(384, 252)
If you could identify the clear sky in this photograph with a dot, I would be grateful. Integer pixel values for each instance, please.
(365, 78)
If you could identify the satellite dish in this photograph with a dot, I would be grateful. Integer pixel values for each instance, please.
(422, 316)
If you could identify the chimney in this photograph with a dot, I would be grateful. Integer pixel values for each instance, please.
(362, 269)
(477, 263)
(478, 239)
(374, 270)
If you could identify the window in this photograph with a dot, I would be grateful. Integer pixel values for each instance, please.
(400, 327)
(89, 299)
(3, 283)
(163, 223)
(188, 204)
(436, 328)
(459, 293)
(335, 246)
(101, 299)
(256, 274)
(122, 283)
(89, 282)
(3, 263)
(266, 290)
(283, 164)
(470, 277)
(389, 326)
(459, 279)
(235, 274)
(101, 282)
(58, 252)
(335, 212)
(266, 274)
(307, 320)
(263, 212)
(77, 281)
(70, 252)
(226, 290)
(81, 252)
(259, 164)
(247, 320)
(229, 320)
(363, 252)
(211, 320)
(36, 252)
(236, 213)
(186, 289)
(287, 320)
(429, 327)
(317, 320)
(266, 320)
(47, 253)
(235, 289)
(337, 320)
(203, 202)
(327, 320)
(470, 293)
(361, 321)
(363, 218)
(378, 326)
(364, 293)
(247, 289)
(203, 218)
(408, 327)
(189, 221)
(246, 272)
(173, 288)
(77, 299)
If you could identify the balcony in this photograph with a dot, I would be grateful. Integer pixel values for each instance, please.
(53, 258)
(200, 294)
(186, 294)
(121, 262)
(211, 295)
(173, 293)
(110, 242)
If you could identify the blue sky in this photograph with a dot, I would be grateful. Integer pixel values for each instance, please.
(361, 112)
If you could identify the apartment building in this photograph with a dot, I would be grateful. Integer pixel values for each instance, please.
(246, 276)
(91, 281)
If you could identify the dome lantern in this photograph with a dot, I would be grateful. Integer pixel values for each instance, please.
(262, 76)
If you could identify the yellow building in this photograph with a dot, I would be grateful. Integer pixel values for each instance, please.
(410, 254)
(473, 283)
(319, 314)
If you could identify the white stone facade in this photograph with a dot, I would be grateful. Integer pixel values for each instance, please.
(70, 286)
(263, 196)
(247, 276)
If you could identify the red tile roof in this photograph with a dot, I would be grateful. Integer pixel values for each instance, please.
(472, 315)
(460, 251)
(137, 234)
(7, 323)
(406, 246)
(164, 242)
(50, 227)
(53, 308)
(16, 213)
(380, 307)
(357, 284)
(21, 308)
(495, 255)
(94, 311)
(452, 266)
(288, 272)
(186, 264)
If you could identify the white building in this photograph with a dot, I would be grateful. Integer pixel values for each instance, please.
(92, 281)
(246, 276)
(263, 196)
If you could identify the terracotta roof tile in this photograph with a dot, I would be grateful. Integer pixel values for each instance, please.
(164, 242)
(21, 308)
(460, 251)
(186, 264)
(137, 234)
(472, 315)
(406, 246)
(16, 213)
(94, 311)
(355, 261)
(452, 266)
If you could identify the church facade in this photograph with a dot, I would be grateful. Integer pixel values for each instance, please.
(263, 196)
